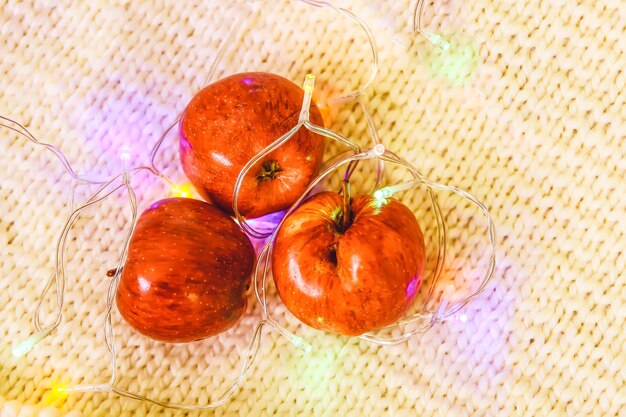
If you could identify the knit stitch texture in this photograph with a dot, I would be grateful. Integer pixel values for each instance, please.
(526, 110)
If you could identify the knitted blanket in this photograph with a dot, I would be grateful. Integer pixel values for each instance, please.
(524, 107)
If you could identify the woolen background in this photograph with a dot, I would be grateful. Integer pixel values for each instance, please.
(527, 111)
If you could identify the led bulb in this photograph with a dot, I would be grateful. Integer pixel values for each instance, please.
(125, 153)
(301, 344)
(309, 83)
(383, 193)
(377, 150)
(295, 340)
(27, 345)
(59, 391)
(23, 348)
(438, 41)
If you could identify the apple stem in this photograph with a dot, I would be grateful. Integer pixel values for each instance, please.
(345, 190)
(111, 272)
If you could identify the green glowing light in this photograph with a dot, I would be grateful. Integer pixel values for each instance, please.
(383, 193)
(319, 370)
(24, 347)
(301, 344)
(438, 41)
(453, 57)
(27, 345)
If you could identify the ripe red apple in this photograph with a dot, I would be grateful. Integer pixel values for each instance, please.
(187, 272)
(349, 275)
(232, 120)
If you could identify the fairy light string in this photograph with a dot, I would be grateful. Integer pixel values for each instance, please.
(347, 159)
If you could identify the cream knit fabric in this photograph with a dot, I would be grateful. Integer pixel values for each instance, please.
(527, 110)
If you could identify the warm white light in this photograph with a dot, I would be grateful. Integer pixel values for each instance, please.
(309, 82)
(379, 149)
(125, 153)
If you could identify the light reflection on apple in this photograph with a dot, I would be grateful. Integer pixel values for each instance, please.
(411, 288)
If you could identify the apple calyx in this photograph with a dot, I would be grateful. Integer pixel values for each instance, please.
(332, 253)
(269, 170)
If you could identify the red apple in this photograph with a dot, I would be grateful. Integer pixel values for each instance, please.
(352, 275)
(187, 272)
(232, 120)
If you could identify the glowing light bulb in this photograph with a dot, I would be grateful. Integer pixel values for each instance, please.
(383, 193)
(185, 190)
(59, 391)
(377, 150)
(125, 153)
(309, 83)
(23, 348)
(306, 347)
(438, 41)
(387, 192)
(463, 318)
(27, 345)
(299, 342)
